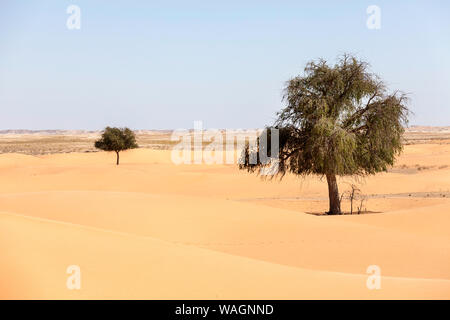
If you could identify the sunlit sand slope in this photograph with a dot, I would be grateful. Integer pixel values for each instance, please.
(151, 229)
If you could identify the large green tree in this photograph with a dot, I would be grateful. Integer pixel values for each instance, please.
(116, 139)
(339, 120)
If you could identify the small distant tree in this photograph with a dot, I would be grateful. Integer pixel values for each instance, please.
(339, 120)
(116, 139)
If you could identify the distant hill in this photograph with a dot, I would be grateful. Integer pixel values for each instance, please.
(428, 129)
(72, 132)
(415, 128)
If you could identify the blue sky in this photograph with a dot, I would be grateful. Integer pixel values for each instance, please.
(160, 64)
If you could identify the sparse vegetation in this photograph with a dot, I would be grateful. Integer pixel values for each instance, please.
(361, 207)
(61, 141)
(353, 194)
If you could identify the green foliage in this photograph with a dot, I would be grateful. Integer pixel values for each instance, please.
(338, 120)
(116, 139)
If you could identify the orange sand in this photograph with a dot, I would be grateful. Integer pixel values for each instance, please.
(153, 230)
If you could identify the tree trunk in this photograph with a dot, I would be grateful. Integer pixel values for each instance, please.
(333, 194)
(117, 152)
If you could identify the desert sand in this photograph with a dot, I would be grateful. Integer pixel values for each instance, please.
(149, 229)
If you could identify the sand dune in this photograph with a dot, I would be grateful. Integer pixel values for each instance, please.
(151, 229)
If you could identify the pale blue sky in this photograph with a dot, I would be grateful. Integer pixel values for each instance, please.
(160, 65)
